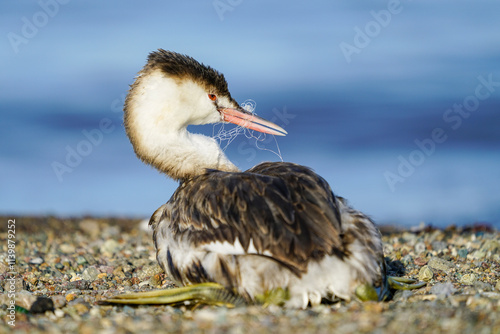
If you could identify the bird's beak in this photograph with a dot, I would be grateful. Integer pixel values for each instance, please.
(247, 120)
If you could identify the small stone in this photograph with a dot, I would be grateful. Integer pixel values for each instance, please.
(485, 265)
(70, 297)
(106, 269)
(79, 284)
(59, 266)
(440, 264)
(439, 245)
(36, 260)
(102, 276)
(491, 246)
(463, 252)
(156, 280)
(118, 272)
(443, 289)
(407, 260)
(479, 255)
(468, 279)
(110, 246)
(59, 301)
(141, 284)
(90, 274)
(420, 247)
(23, 298)
(483, 286)
(95, 312)
(497, 286)
(110, 232)
(402, 295)
(420, 261)
(408, 237)
(81, 260)
(41, 305)
(91, 227)
(425, 274)
(67, 249)
(90, 259)
(59, 313)
(148, 271)
(80, 308)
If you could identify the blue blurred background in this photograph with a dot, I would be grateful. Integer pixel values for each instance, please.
(395, 104)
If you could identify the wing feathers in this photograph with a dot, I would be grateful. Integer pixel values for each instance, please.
(287, 211)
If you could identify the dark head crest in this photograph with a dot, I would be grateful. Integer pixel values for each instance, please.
(184, 67)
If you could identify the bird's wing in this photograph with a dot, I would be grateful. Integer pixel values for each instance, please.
(280, 210)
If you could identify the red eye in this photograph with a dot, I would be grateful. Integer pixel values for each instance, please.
(212, 97)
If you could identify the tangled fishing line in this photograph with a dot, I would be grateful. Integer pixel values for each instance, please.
(226, 137)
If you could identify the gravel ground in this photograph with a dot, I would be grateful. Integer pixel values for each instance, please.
(73, 263)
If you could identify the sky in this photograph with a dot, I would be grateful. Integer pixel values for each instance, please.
(395, 103)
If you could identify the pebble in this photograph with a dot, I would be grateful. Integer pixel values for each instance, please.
(468, 279)
(111, 232)
(156, 280)
(118, 272)
(59, 313)
(67, 249)
(149, 271)
(79, 284)
(439, 245)
(70, 297)
(491, 246)
(420, 261)
(110, 246)
(23, 298)
(482, 286)
(463, 253)
(81, 260)
(440, 264)
(91, 227)
(407, 260)
(90, 274)
(420, 247)
(478, 255)
(41, 305)
(59, 301)
(102, 276)
(425, 274)
(36, 260)
(80, 308)
(443, 289)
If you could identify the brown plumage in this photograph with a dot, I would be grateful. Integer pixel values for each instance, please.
(297, 218)
(281, 213)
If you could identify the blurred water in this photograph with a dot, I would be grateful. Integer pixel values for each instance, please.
(354, 116)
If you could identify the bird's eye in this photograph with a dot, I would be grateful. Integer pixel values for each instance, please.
(212, 97)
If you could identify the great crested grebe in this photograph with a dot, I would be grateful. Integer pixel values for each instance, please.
(230, 236)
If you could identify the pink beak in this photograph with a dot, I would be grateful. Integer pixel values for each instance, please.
(250, 121)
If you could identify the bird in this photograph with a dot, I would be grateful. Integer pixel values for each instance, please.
(273, 234)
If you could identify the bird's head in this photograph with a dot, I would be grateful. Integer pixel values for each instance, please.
(179, 91)
(171, 92)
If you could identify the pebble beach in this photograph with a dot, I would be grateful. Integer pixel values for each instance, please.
(63, 267)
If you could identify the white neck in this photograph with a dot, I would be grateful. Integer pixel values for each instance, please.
(156, 117)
